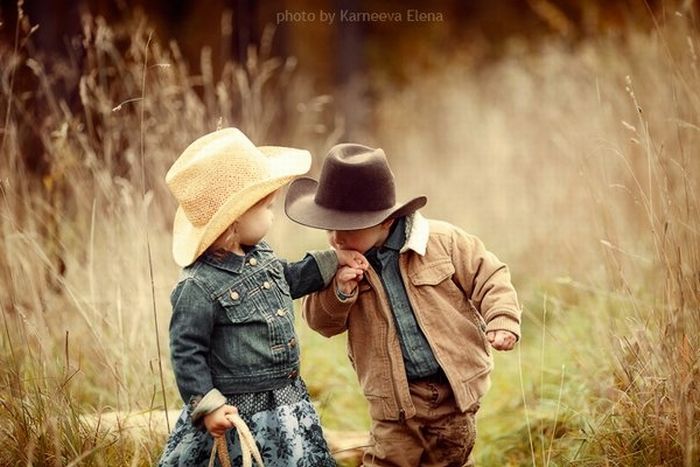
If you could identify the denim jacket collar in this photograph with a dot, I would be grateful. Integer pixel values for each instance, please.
(231, 262)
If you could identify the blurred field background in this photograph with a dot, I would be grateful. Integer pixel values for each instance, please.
(565, 134)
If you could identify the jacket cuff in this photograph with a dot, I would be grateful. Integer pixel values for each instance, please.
(337, 303)
(209, 403)
(504, 323)
(327, 262)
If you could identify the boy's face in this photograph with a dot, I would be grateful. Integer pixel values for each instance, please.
(360, 240)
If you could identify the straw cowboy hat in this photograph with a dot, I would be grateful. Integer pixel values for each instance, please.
(355, 191)
(219, 177)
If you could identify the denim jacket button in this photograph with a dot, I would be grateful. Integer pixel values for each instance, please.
(234, 295)
(293, 374)
(281, 312)
(292, 343)
(253, 261)
(266, 285)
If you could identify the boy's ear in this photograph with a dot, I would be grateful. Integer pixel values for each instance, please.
(388, 223)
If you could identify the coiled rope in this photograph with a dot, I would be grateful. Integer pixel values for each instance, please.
(249, 449)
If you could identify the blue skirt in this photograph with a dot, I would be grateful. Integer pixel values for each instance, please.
(283, 421)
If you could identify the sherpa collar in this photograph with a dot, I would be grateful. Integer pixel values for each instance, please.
(417, 232)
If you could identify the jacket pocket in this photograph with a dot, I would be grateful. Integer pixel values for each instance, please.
(280, 281)
(234, 303)
(433, 273)
(380, 408)
(475, 388)
(479, 322)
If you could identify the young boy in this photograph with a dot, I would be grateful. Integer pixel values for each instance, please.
(420, 320)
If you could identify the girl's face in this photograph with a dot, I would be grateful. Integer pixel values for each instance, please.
(360, 240)
(254, 224)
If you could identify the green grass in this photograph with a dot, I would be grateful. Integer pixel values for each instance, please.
(331, 381)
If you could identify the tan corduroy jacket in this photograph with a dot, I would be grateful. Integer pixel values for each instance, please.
(458, 291)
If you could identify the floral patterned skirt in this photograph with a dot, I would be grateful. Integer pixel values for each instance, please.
(283, 421)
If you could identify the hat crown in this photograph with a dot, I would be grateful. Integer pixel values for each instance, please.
(356, 178)
(212, 169)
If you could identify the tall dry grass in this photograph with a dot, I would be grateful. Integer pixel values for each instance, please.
(86, 267)
(581, 168)
(578, 166)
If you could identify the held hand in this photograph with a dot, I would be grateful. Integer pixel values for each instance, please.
(501, 340)
(352, 258)
(216, 422)
(347, 278)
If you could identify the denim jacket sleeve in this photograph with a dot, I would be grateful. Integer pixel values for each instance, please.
(191, 327)
(313, 273)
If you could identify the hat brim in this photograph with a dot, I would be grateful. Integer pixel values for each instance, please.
(300, 206)
(190, 241)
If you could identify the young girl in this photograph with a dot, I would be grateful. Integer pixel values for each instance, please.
(232, 339)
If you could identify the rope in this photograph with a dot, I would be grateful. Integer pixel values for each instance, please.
(249, 449)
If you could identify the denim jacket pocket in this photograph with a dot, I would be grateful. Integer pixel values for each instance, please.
(234, 303)
(281, 282)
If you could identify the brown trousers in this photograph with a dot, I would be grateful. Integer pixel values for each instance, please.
(438, 435)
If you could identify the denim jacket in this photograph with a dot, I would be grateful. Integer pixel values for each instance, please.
(232, 326)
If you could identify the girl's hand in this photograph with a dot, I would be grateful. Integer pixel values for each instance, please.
(501, 340)
(352, 258)
(216, 422)
(347, 278)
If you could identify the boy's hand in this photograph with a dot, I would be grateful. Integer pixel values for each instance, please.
(352, 258)
(216, 422)
(347, 278)
(501, 340)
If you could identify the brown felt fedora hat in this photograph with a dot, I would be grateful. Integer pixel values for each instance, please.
(355, 191)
